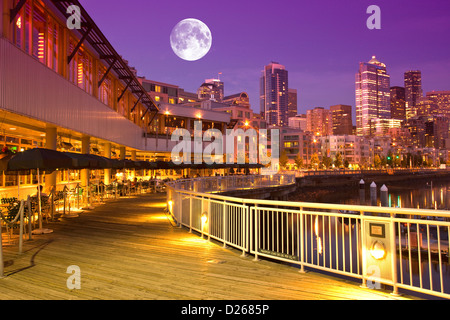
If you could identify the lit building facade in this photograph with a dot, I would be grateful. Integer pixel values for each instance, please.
(354, 150)
(398, 103)
(319, 121)
(211, 89)
(292, 103)
(298, 122)
(441, 99)
(341, 118)
(297, 143)
(372, 96)
(413, 91)
(274, 94)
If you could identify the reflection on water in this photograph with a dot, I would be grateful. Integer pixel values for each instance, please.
(423, 195)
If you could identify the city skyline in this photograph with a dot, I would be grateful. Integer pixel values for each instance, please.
(325, 56)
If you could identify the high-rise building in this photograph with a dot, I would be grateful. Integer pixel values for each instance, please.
(274, 94)
(341, 116)
(398, 103)
(372, 96)
(211, 89)
(413, 91)
(442, 101)
(292, 102)
(319, 122)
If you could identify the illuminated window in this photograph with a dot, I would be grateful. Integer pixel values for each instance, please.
(39, 22)
(157, 88)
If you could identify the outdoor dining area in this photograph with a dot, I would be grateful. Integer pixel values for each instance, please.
(27, 214)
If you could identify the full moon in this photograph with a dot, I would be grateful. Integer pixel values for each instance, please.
(191, 39)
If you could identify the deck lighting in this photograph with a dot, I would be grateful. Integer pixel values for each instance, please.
(204, 218)
(377, 250)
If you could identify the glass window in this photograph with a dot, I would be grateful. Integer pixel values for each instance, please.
(52, 45)
(39, 21)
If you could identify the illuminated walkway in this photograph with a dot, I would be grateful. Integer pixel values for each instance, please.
(128, 249)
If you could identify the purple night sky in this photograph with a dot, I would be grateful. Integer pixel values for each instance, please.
(320, 42)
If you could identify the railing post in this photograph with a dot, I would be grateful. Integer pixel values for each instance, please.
(256, 238)
(245, 224)
(208, 215)
(363, 251)
(201, 214)
(394, 255)
(190, 213)
(302, 245)
(224, 225)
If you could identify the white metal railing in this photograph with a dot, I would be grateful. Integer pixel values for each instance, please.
(330, 237)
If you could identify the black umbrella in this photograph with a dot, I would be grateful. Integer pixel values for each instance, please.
(82, 161)
(102, 162)
(40, 159)
(4, 160)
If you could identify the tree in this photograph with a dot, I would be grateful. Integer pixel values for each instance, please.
(299, 161)
(377, 161)
(327, 162)
(346, 164)
(315, 160)
(390, 160)
(338, 160)
(397, 161)
(283, 159)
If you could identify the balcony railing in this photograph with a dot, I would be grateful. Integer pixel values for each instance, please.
(396, 247)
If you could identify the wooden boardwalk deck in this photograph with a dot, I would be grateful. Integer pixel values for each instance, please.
(127, 249)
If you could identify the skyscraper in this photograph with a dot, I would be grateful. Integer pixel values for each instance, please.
(372, 96)
(398, 103)
(341, 116)
(211, 89)
(292, 103)
(413, 91)
(274, 94)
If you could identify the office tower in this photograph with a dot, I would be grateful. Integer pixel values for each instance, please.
(413, 91)
(292, 102)
(211, 89)
(398, 103)
(274, 94)
(341, 116)
(372, 96)
(441, 100)
(319, 122)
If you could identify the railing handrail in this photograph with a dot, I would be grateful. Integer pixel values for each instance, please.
(312, 205)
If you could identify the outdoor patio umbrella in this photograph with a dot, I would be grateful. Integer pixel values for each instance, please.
(40, 159)
(82, 161)
(101, 162)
